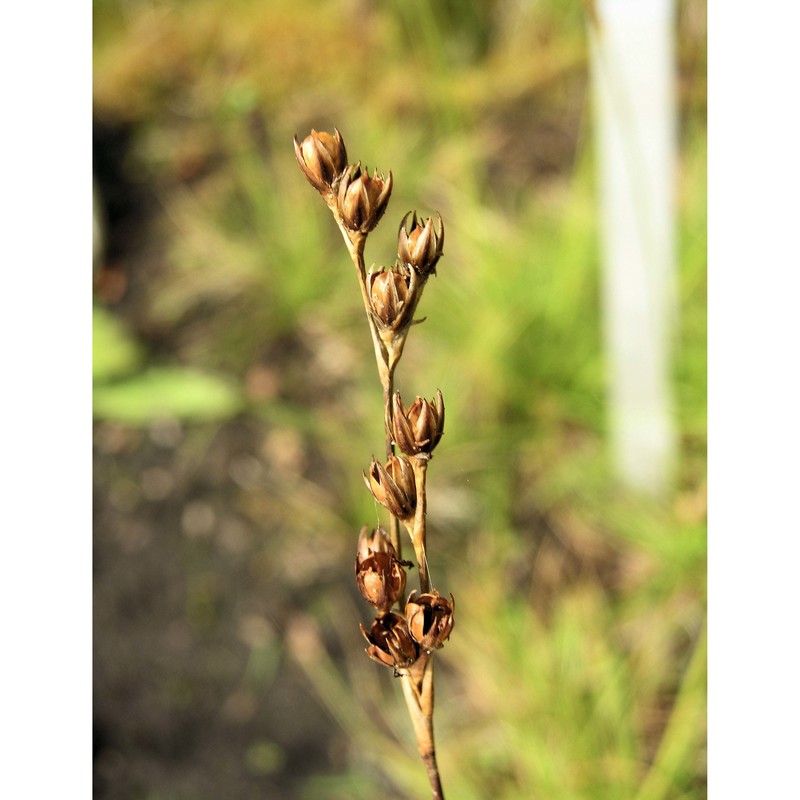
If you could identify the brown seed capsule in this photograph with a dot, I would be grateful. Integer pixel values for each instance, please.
(393, 486)
(322, 157)
(418, 429)
(380, 576)
(389, 295)
(419, 245)
(363, 199)
(430, 619)
(374, 541)
(390, 642)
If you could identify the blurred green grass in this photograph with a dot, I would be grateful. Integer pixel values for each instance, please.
(576, 669)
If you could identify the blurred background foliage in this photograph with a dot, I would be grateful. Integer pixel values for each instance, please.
(236, 402)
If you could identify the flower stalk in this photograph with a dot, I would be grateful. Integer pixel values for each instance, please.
(405, 633)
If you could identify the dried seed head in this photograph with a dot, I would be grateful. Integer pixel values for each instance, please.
(380, 576)
(322, 157)
(390, 642)
(393, 486)
(389, 295)
(374, 541)
(418, 429)
(430, 619)
(363, 199)
(381, 580)
(419, 245)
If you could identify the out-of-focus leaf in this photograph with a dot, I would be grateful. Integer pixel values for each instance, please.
(167, 391)
(264, 757)
(114, 350)
(338, 787)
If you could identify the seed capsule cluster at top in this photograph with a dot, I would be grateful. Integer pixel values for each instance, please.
(359, 198)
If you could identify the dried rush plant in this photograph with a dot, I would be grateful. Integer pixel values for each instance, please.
(406, 632)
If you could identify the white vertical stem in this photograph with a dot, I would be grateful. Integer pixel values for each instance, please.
(632, 62)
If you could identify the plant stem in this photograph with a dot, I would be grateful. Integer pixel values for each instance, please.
(355, 247)
(418, 691)
(419, 530)
(383, 358)
(388, 390)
